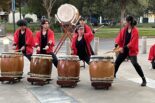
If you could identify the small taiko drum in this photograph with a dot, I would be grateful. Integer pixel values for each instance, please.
(12, 64)
(41, 66)
(67, 14)
(101, 71)
(68, 70)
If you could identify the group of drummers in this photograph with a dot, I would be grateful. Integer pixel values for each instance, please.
(44, 41)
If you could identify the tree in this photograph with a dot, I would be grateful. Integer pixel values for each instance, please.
(124, 4)
(35, 7)
(48, 5)
(151, 6)
(106, 8)
(5, 5)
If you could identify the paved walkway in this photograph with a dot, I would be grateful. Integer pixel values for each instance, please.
(125, 88)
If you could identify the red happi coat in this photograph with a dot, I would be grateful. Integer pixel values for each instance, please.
(88, 38)
(50, 37)
(152, 53)
(28, 40)
(87, 29)
(133, 44)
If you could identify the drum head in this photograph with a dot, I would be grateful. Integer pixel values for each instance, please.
(68, 57)
(66, 12)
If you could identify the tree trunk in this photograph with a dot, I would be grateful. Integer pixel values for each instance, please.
(122, 16)
(48, 14)
(48, 5)
(123, 9)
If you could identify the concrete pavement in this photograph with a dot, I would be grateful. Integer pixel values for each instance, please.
(125, 88)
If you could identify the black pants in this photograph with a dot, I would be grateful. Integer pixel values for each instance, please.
(153, 64)
(55, 59)
(86, 59)
(122, 56)
(28, 56)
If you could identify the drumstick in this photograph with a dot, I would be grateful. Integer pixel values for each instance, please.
(114, 50)
(98, 28)
(18, 50)
(9, 38)
(109, 52)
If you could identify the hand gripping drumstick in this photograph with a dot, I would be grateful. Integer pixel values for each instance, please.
(115, 50)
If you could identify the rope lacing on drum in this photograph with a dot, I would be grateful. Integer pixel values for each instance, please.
(39, 75)
(68, 78)
(10, 74)
(105, 79)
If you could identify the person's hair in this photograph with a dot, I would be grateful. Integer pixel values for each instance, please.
(22, 22)
(82, 18)
(77, 28)
(43, 22)
(132, 21)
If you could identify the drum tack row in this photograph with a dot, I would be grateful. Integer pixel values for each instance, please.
(101, 70)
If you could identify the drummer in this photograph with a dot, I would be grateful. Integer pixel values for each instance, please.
(44, 41)
(87, 28)
(151, 56)
(23, 39)
(81, 44)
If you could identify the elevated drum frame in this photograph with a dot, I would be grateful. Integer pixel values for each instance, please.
(67, 22)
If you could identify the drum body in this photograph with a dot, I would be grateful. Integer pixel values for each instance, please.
(67, 14)
(101, 68)
(12, 64)
(68, 68)
(41, 66)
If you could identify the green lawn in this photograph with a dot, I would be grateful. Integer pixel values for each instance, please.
(113, 32)
(105, 32)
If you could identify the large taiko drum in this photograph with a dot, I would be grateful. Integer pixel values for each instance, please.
(68, 70)
(67, 14)
(12, 64)
(101, 70)
(41, 66)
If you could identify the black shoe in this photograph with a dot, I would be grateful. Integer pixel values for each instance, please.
(144, 82)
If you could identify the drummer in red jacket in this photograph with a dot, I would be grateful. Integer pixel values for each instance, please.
(44, 41)
(23, 39)
(87, 29)
(127, 40)
(81, 44)
(152, 56)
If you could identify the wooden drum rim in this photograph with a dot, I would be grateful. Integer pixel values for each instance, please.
(69, 57)
(101, 58)
(74, 13)
(41, 56)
